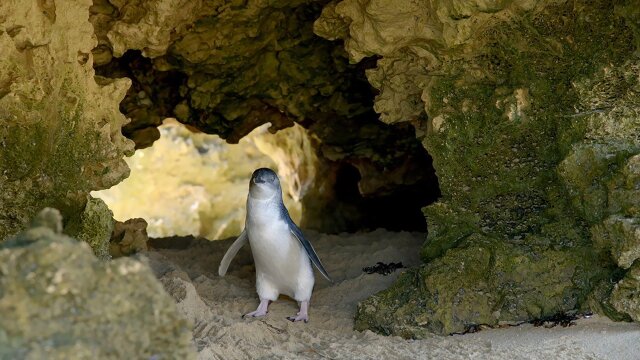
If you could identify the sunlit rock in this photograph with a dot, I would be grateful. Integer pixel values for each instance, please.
(196, 184)
(60, 132)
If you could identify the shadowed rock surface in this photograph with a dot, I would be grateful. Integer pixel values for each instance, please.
(128, 237)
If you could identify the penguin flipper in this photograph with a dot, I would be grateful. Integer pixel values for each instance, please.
(311, 252)
(231, 253)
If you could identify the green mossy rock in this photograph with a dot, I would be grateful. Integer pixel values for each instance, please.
(482, 281)
(625, 297)
(94, 226)
(58, 301)
(621, 236)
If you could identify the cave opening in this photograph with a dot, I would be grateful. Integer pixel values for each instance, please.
(344, 169)
(191, 183)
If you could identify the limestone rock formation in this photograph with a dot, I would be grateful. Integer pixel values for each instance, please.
(58, 301)
(61, 129)
(225, 68)
(621, 236)
(530, 111)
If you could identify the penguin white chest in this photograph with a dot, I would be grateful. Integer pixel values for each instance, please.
(269, 236)
(282, 265)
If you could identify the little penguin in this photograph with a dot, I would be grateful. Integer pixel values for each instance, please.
(281, 253)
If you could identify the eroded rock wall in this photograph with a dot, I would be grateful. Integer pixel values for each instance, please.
(229, 67)
(60, 129)
(530, 111)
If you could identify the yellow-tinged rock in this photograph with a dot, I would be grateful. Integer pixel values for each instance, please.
(60, 133)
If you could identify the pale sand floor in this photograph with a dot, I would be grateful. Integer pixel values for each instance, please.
(188, 269)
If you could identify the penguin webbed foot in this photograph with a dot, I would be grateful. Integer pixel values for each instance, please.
(255, 314)
(298, 317)
(262, 310)
(303, 314)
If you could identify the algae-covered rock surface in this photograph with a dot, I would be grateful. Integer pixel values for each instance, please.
(58, 301)
(483, 281)
(530, 112)
(94, 226)
(60, 129)
(625, 296)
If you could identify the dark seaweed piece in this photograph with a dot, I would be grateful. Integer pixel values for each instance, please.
(562, 319)
(382, 268)
(474, 328)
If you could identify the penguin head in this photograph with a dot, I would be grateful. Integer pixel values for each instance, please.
(264, 184)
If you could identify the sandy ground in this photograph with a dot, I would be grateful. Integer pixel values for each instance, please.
(188, 269)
